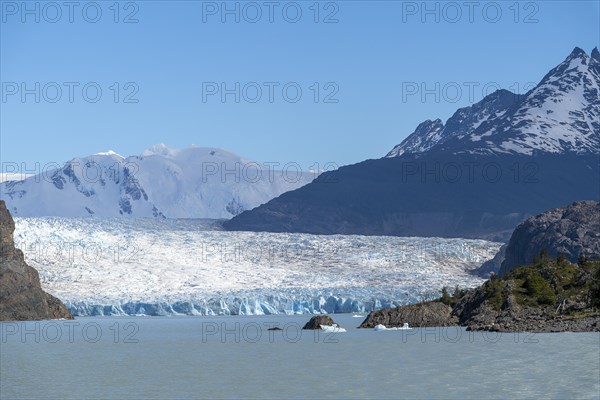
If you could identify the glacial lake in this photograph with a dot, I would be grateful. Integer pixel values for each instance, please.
(237, 357)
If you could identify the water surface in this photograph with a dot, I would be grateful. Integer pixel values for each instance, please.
(236, 357)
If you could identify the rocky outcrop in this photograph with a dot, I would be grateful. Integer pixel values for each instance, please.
(318, 320)
(417, 315)
(21, 295)
(492, 266)
(531, 320)
(550, 296)
(511, 310)
(573, 230)
(554, 290)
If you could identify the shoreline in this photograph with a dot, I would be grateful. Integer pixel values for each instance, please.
(301, 319)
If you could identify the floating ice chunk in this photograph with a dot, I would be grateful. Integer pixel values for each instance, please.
(335, 328)
(380, 327)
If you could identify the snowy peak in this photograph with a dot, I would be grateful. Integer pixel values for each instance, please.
(433, 134)
(577, 62)
(596, 54)
(577, 52)
(467, 120)
(422, 139)
(560, 115)
(194, 154)
(99, 184)
(160, 149)
(196, 182)
(110, 153)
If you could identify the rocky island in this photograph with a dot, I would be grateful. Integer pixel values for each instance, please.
(21, 295)
(318, 320)
(548, 293)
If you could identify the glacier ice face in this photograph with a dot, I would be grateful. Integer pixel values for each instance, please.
(137, 266)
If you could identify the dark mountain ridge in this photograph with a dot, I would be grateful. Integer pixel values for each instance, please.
(401, 196)
(491, 166)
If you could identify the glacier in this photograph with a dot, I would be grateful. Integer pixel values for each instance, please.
(158, 267)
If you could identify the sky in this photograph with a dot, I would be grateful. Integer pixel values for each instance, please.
(309, 82)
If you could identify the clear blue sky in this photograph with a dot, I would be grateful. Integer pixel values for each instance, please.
(375, 51)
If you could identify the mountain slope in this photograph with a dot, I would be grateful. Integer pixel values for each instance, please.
(385, 197)
(431, 135)
(489, 167)
(561, 114)
(190, 183)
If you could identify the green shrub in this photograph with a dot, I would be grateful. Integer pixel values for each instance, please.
(446, 299)
(493, 293)
(539, 289)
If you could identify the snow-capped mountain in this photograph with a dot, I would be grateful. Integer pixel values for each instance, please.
(560, 115)
(489, 167)
(195, 182)
(12, 177)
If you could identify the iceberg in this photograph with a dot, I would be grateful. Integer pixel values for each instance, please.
(335, 328)
(380, 327)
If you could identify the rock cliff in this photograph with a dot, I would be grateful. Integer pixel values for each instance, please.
(21, 295)
(573, 230)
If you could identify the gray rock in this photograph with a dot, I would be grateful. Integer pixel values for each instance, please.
(570, 230)
(21, 295)
(417, 315)
(318, 320)
(492, 266)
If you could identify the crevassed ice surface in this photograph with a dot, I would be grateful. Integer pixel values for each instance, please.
(102, 266)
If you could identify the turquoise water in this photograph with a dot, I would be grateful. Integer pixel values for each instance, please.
(237, 357)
